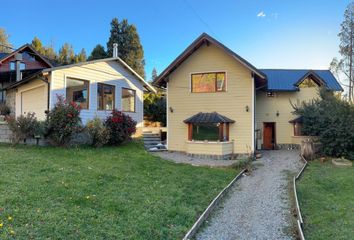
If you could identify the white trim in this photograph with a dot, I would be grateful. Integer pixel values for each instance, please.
(214, 71)
(253, 115)
(167, 112)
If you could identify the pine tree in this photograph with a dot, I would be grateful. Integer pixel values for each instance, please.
(5, 45)
(97, 53)
(130, 49)
(153, 74)
(346, 49)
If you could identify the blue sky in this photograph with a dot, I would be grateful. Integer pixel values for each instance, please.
(268, 33)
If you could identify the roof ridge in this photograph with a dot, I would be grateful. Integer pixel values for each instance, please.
(294, 69)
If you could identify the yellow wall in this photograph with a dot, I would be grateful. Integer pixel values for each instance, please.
(231, 103)
(210, 148)
(32, 97)
(267, 107)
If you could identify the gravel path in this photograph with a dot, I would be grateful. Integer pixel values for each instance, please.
(257, 207)
(178, 157)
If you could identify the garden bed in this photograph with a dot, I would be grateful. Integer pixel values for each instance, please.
(106, 193)
(326, 196)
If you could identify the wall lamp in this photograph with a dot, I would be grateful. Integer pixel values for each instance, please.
(247, 108)
(277, 114)
(171, 109)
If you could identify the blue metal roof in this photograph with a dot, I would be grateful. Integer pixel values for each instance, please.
(286, 79)
(2, 55)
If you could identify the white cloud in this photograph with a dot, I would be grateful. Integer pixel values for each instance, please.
(261, 14)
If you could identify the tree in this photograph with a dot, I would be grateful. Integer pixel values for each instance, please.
(81, 57)
(153, 74)
(97, 53)
(130, 49)
(346, 49)
(66, 54)
(38, 46)
(5, 45)
(332, 120)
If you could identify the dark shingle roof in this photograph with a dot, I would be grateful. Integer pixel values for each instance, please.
(286, 79)
(213, 117)
(297, 120)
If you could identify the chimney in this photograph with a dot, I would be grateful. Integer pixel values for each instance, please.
(18, 59)
(115, 50)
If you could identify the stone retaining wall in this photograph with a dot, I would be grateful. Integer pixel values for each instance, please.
(5, 133)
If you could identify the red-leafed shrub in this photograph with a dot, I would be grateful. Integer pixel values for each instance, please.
(121, 127)
(63, 122)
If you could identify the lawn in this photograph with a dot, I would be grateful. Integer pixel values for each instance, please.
(107, 193)
(326, 195)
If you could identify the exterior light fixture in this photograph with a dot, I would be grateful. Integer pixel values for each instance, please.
(171, 109)
(247, 108)
(277, 113)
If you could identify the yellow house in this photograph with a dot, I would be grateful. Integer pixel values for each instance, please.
(98, 86)
(219, 104)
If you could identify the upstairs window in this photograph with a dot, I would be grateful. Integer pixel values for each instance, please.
(208, 82)
(77, 91)
(128, 100)
(105, 96)
(13, 66)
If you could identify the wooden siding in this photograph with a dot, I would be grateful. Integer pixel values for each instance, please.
(231, 103)
(267, 108)
(101, 72)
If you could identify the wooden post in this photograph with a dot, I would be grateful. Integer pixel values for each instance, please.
(221, 132)
(190, 131)
(227, 131)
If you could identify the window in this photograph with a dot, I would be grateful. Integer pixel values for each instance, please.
(208, 132)
(297, 129)
(13, 66)
(105, 96)
(208, 82)
(77, 91)
(128, 100)
(308, 83)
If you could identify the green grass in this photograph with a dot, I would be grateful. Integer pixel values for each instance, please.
(106, 193)
(326, 195)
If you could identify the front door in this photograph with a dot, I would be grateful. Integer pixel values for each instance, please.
(269, 135)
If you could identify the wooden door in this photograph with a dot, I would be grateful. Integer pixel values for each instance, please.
(268, 135)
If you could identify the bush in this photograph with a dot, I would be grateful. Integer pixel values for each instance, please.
(63, 122)
(98, 133)
(331, 119)
(121, 127)
(155, 107)
(4, 109)
(23, 127)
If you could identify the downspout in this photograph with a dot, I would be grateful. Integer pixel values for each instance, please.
(45, 79)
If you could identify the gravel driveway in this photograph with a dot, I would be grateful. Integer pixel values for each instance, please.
(257, 207)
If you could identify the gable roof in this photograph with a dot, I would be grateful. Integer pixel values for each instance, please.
(289, 79)
(202, 39)
(22, 48)
(117, 59)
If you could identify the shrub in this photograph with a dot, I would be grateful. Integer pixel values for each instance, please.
(155, 107)
(121, 127)
(98, 133)
(331, 119)
(63, 122)
(24, 126)
(4, 109)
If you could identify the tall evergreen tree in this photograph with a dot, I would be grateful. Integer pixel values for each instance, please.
(153, 74)
(129, 46)
(97, 53)
(346, 49)
(5, 45)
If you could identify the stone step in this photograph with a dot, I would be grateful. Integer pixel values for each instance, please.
(152, 139)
